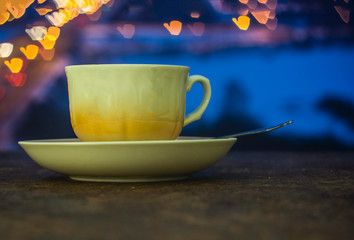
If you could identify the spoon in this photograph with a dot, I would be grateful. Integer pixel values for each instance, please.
(256, 131)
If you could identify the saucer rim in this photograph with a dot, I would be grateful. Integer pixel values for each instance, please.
(76, 141)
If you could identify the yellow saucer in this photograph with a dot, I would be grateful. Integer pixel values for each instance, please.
(138, 161)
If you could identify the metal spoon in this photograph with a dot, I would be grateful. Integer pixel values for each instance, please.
(256, 131)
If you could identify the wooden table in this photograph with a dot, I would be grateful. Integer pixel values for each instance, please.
(247, 195)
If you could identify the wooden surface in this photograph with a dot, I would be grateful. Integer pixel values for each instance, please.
(247, 195)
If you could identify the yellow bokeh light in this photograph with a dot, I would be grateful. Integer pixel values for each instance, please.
(243, 22)
(68, 15)
(69, 9)
(90, 6)
(49, 40)
(174, 27)
(53, 33)
(59, 14)
(47, 43)
(15, 64)
(30, 51)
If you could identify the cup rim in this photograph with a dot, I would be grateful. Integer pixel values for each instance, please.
(126, 65)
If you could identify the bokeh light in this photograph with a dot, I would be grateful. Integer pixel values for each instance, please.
(174, 27)
(6, 49)
(14, 64)
(30, 51)
(48, 34)
(127, 30)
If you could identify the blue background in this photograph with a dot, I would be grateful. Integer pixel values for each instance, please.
(302, 71)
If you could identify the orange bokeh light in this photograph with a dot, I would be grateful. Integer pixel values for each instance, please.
(261, 17)
(53, 33)
(47, 54)
(272, 14)
(174, 27)
(243, 11)
(43, 11)
(343, 13)
(195, 14)
(252, 4)
(10, 9)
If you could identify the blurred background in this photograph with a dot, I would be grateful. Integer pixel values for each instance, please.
(268, 61)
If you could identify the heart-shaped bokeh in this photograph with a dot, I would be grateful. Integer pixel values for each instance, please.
(37, 33)
(30, 51)
(15, 64)
(197, 28)
(16, 79)
(127, 30)
(174, 27)
(6, 49)
(243, 22)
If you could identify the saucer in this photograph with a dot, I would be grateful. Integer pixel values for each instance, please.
(133, 161)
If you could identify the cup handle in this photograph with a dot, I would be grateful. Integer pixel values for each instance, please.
(197, 113)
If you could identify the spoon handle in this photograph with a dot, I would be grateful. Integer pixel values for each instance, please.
(260, 130)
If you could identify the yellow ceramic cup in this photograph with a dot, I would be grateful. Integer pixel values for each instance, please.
(131, 102)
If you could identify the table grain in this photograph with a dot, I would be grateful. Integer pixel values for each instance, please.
(247, 195)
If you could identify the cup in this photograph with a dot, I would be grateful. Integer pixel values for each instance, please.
(131, 102)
